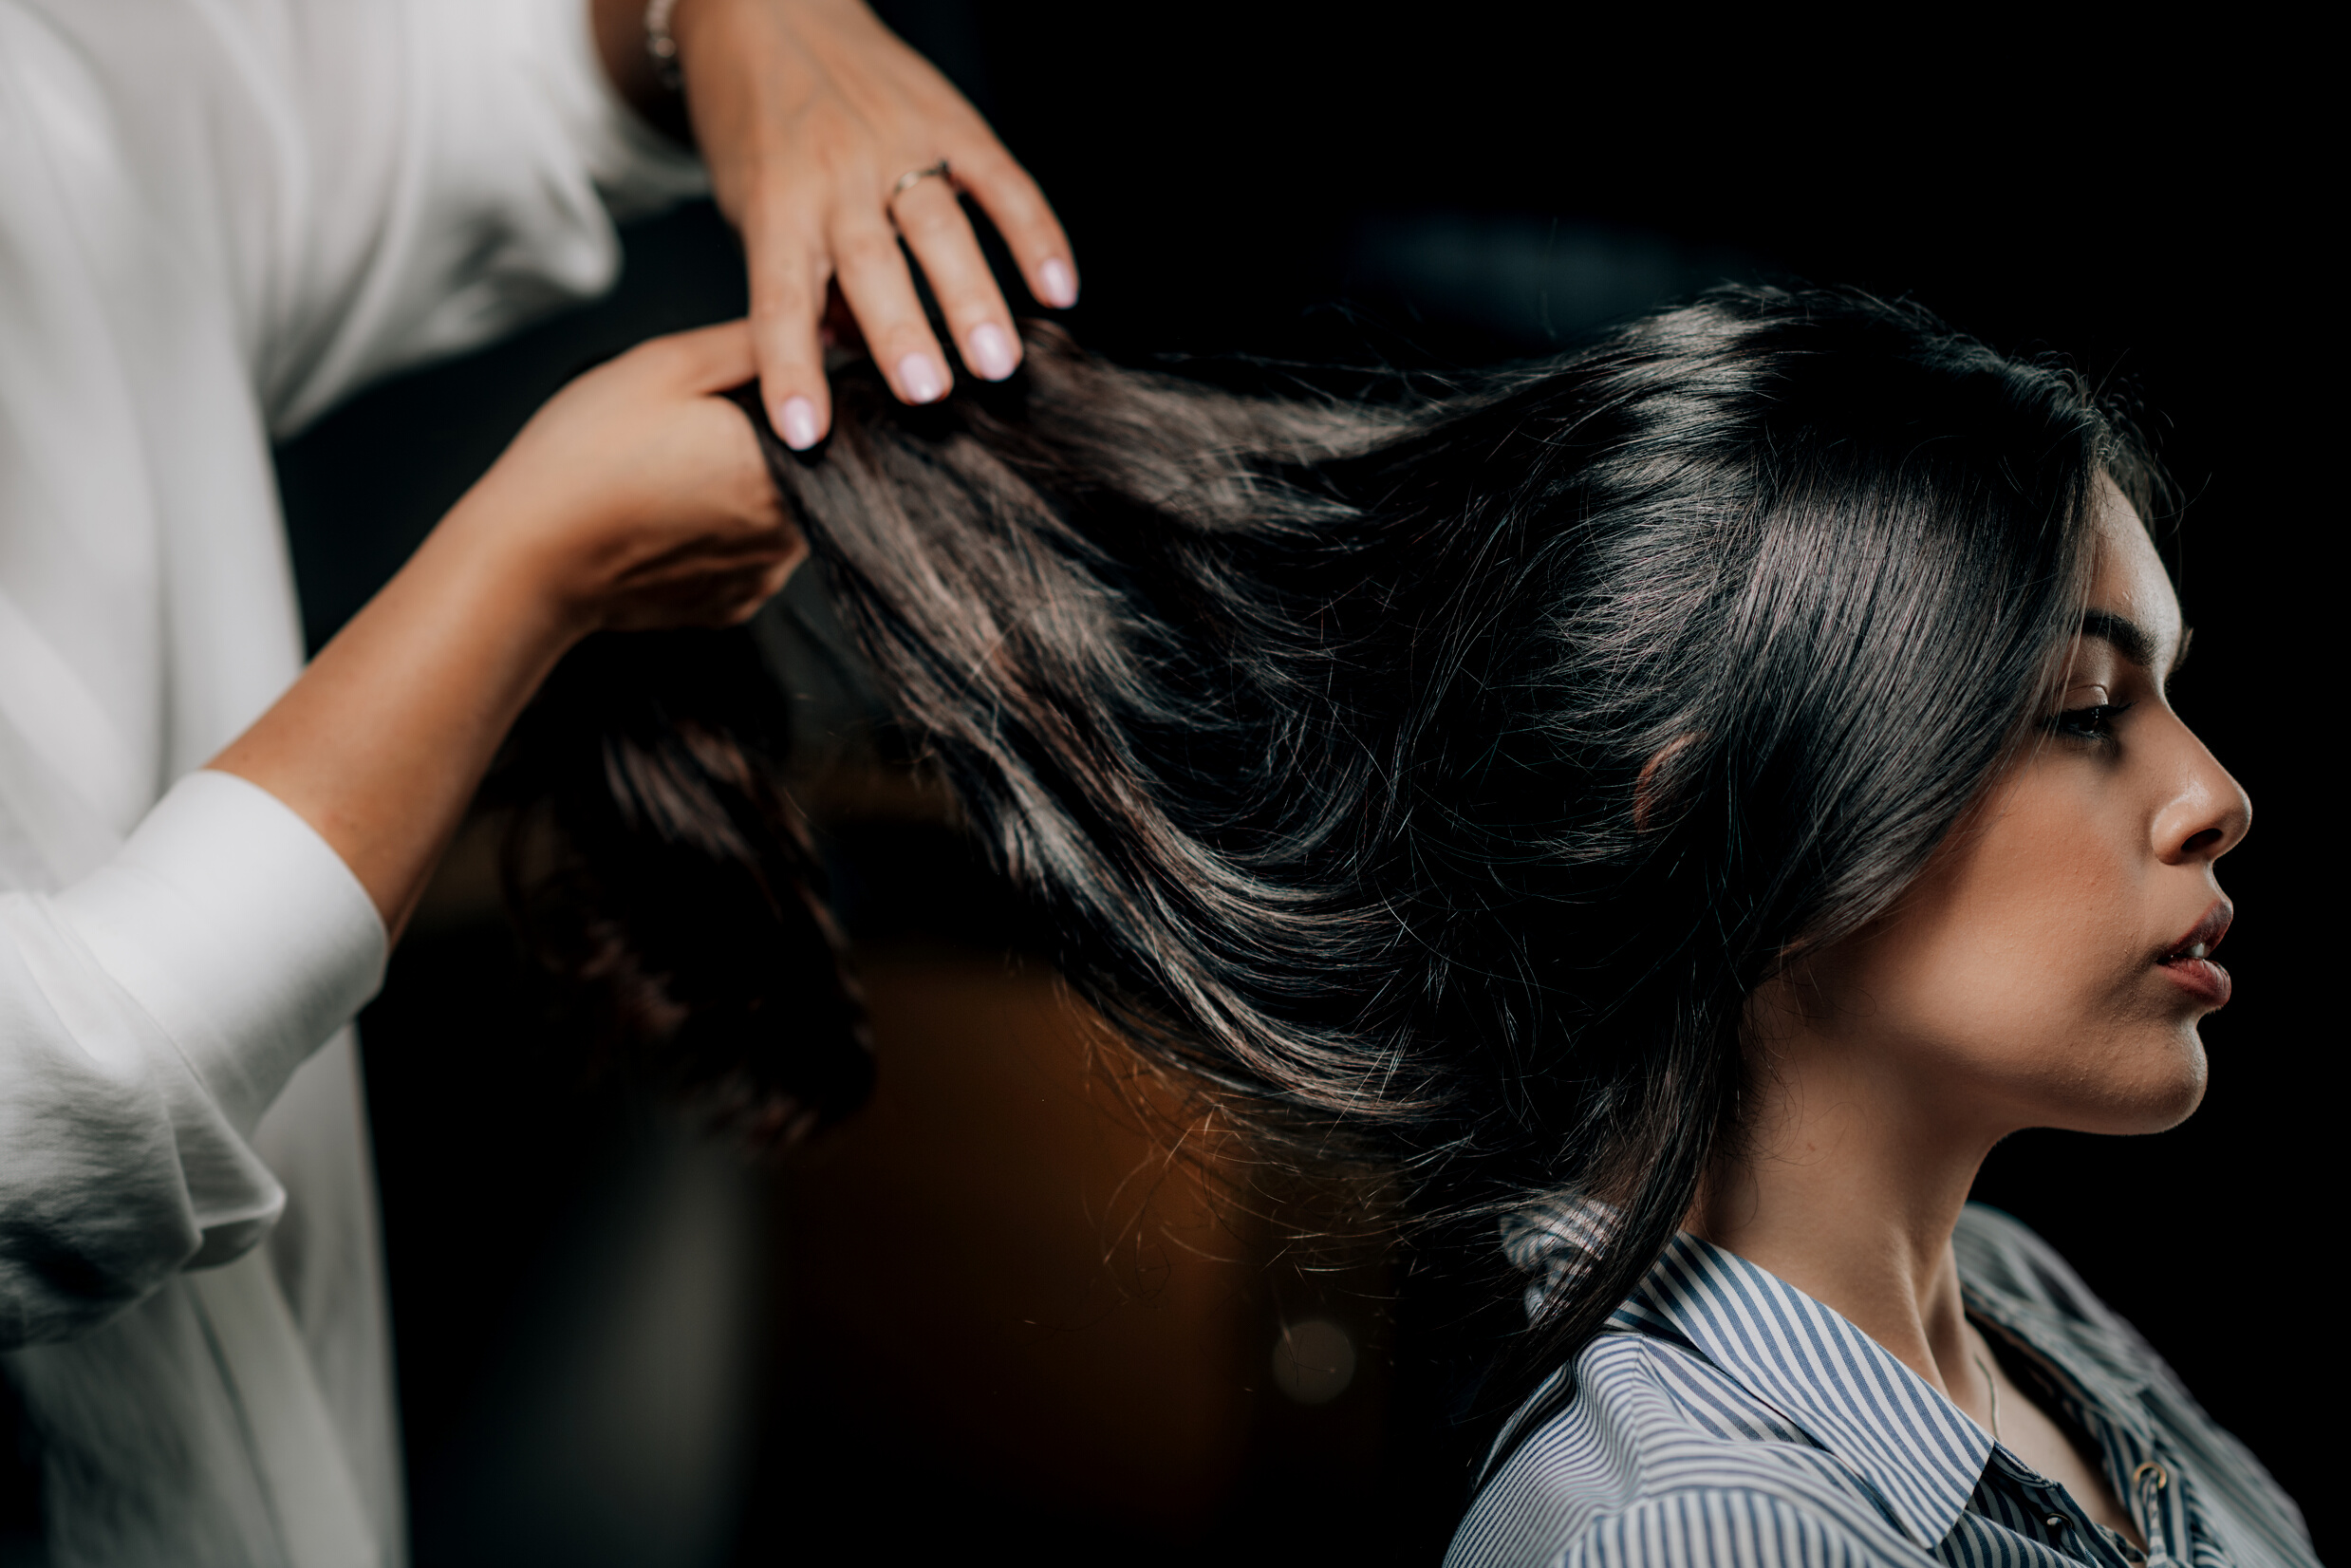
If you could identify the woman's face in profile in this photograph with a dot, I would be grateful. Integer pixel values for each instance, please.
(2049, 967)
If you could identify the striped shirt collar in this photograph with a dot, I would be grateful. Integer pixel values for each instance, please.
(2097, 1372)
(1727, 1418)
(1903, 1439)
(2097, 1368)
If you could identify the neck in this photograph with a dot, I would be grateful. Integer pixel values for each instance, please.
(1847, 1185)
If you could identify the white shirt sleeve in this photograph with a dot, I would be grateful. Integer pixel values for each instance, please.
(150, 1013)
(442, 205)
(216, 218)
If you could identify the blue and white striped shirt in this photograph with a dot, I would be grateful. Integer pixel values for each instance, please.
(1728, 1420)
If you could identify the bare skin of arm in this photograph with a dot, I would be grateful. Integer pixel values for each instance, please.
(2044, 971)
(635, 498)
(808, 112)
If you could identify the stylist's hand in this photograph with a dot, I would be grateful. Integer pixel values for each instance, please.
(636, 497)
(807, 113)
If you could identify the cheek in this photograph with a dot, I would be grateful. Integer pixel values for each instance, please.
(2044, 926)
(2018, 976)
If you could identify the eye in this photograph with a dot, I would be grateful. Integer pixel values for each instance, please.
(2096, 722)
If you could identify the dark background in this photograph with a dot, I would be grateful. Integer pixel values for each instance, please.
(1452, 187)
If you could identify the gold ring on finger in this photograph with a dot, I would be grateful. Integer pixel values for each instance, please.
(912, 178)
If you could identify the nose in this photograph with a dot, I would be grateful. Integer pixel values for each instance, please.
(2208, 812)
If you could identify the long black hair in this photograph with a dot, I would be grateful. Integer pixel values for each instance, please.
(1437, 775)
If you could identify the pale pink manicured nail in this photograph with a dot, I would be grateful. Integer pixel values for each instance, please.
(990, 349)
(921, 380)
(1056, 285)
(799, 423)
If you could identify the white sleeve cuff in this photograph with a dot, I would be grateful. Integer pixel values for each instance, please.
(242, 934)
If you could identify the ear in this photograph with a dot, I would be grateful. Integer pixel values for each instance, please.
(1652, 788)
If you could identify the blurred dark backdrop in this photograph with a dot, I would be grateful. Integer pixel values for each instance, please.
(876, 1377)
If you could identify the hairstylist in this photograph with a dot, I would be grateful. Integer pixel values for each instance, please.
(218, 217)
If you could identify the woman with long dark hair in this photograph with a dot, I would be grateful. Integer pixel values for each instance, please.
(1675, 808)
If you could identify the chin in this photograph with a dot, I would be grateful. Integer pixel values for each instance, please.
(2159, 1088)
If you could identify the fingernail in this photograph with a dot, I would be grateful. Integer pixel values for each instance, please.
(797, 423)
(920, 379)
(990, 347)
(1056, 285)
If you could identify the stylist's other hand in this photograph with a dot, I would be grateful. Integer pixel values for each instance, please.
(636, 498)
(809, 113)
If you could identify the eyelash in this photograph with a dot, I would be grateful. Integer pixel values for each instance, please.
(2091, 723)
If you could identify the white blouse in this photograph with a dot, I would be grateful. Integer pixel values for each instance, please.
(216, 218)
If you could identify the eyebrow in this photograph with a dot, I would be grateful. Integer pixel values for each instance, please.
(2130, 640)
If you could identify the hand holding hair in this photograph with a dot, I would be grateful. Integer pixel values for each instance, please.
(635, 499)
(828, 140)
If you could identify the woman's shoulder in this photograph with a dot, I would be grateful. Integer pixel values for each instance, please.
(1660, 1459)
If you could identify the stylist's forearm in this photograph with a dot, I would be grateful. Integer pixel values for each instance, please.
(381, 744)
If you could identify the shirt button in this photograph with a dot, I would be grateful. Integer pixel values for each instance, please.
(2055, 1522)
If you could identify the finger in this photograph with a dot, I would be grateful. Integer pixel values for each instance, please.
(880, 291)
(1023, 216)
(705, 598)
(714, 482)
(940, 237)
(765, 587)
(712, 359)
(695, 582)
(731, 598)
(788, 286)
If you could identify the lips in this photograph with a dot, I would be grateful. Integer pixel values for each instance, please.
(2189, 961)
